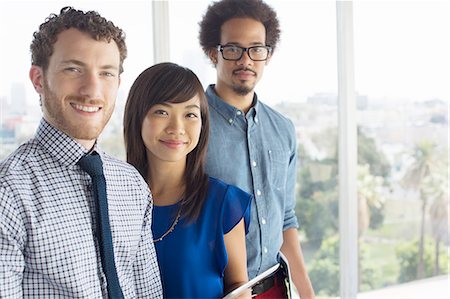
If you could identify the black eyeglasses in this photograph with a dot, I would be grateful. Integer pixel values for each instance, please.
(233, 52)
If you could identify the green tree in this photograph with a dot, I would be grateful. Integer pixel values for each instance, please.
(317, 201)
(369, 153)
(407, 255)
(324, 271)
(421, 167)
(435, 188)
(369, 188)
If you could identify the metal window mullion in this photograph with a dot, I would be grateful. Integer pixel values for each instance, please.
(160, 22)
(348, 204)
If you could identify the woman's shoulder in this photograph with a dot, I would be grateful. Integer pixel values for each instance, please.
(230, 202)
(216, 184)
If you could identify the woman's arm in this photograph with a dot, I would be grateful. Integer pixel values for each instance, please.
(236, 269)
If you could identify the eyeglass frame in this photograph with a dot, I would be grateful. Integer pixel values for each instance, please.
(245, 49)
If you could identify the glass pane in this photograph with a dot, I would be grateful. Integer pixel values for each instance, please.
(185, 49)
(19, 103)
(300, 82)
(402, 76)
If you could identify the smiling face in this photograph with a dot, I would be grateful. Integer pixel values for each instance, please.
(79, 88)
(239, 77)
(170, 131)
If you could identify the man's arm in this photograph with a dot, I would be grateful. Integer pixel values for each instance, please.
(146, 269)
(292, 250)
(11, 258)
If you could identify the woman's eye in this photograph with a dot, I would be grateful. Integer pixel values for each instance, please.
(192, 115)
(160, 112)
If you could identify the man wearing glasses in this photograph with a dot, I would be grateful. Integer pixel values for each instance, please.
(251, 145)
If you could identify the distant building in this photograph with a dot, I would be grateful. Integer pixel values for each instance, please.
(331, 99)
(7, 135)
(18, 105)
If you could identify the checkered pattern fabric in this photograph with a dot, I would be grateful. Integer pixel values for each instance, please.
(48, 244)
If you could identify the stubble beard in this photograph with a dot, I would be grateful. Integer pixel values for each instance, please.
(242, 89)
(54, 113)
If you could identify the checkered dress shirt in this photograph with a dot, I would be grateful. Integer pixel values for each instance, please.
(48, 243)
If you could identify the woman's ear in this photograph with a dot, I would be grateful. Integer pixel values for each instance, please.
(37, 78)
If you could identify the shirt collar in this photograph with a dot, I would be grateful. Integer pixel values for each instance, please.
(226, 110)
(63, 148)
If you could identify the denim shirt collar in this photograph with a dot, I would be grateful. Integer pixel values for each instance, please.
(227, 111)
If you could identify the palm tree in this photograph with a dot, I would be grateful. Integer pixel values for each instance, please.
(436, 188)
(422, 164)
(369, 189)
(369, 196)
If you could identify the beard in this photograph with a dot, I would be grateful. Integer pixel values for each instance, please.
(59, 114)
(242, 90)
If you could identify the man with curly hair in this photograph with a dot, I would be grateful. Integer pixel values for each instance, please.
(251, 145)
(74, 221)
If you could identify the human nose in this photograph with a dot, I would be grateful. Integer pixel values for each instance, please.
(175, 126)
(245, 58)
(91, 86)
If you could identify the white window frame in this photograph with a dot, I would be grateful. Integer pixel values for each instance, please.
(348, 202)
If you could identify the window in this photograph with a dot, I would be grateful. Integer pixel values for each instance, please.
(402, 74)
(401, 80)
(20, 111)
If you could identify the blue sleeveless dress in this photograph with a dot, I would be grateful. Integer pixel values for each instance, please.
(192, 258)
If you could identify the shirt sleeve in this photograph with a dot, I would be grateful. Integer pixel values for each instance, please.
(290, 219)
(146, 270)
(236, 206)
(12, 238)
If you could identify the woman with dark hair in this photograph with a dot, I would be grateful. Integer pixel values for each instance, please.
(199, 223)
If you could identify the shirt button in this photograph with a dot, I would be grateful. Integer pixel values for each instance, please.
(256, 120)
(254, 163)
(230, 120)
(265, 249)
(238, 112)
(258, 192)
(263, 221)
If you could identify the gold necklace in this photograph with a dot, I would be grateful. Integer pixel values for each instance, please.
(171, 228)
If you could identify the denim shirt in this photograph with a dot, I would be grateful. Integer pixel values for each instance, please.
(256, 152)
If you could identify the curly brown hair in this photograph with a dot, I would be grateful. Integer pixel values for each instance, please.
(222, 11)
(90, 22)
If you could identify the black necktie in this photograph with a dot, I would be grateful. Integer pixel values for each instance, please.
(92, 164)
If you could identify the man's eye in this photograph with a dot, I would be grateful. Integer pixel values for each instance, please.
(108, 74)
(232, 49)
(72, 70)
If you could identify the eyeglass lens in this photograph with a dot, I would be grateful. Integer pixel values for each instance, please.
(256, 53)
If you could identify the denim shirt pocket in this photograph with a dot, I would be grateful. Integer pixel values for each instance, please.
(279, 160)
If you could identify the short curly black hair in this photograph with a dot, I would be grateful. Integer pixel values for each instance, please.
(90, 22)
(222, 11)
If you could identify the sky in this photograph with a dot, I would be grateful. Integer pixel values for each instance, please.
(402, 48)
